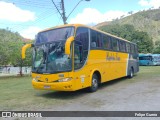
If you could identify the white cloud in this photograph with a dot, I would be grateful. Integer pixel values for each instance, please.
(30, 32)
(155, 3)
(110, 15)
(150, 3)
(10, 12)
(143, 3)
(93, 16)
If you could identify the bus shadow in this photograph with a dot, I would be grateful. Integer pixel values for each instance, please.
(78, 93)
(115, 81)
(64, 94)
(112, 82)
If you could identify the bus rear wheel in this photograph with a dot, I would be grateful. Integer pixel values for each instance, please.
(131, 73)
(94, 84)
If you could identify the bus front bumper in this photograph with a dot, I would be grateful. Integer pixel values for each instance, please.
(58, 86)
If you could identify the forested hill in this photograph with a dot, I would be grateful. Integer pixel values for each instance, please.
(146, 21)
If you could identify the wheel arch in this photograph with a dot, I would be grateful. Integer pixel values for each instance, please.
(97, 72)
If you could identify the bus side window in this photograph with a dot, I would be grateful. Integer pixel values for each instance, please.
(93, 39)
(99, 39)
(122, 46)
(128, 47)
(136, 49)
(96, 39)
(78, 56)
(106, 42)
(118, 45)
(132, 48)
(115, 44)
(140, 58)
(81, 45)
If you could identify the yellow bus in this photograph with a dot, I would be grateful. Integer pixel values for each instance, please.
(75, 56)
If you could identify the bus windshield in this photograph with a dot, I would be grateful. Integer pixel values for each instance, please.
(50, 58)
(48, 53)
(54, 35)
(156, 58)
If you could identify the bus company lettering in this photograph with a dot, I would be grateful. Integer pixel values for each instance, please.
(112, 57)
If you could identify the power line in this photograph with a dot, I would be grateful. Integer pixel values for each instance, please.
(34, 23)
(42, 16)
(18, 27)
(39, 4)
(63, 14)
(57, 8)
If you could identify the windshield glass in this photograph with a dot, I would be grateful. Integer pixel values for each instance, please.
(54, 35)
(50, 58)
(156, 58)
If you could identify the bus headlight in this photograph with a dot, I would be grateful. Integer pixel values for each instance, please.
(35, 79)
(64, 79)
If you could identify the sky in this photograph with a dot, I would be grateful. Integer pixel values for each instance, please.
(28, 17)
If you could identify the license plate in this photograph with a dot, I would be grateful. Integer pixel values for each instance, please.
(47, 86)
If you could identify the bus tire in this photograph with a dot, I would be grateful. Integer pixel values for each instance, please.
(94, 84)
(131, 73)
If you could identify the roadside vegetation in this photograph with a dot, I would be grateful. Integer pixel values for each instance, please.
(10, 49)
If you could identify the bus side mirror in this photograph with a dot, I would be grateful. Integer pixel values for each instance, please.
(24, 48)
(68, 45)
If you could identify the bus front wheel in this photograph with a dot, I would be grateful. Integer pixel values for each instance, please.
(94, 84)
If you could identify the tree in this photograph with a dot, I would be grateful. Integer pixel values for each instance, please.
(144, 42)
(157, 47)
(10, 47)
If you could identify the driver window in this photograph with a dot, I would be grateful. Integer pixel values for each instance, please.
(78, 61)
(81, 47)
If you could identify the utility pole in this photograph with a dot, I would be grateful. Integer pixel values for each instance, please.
(63, 12)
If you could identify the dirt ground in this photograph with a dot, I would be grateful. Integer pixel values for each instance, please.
(141, 93)
(119, 95)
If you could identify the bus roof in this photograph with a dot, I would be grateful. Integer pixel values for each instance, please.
(148, 54)
(156, 54)
(81, 25)
(143, 54)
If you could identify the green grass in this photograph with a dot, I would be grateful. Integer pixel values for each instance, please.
(149, 71)
(146, 73)
(17, 93)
